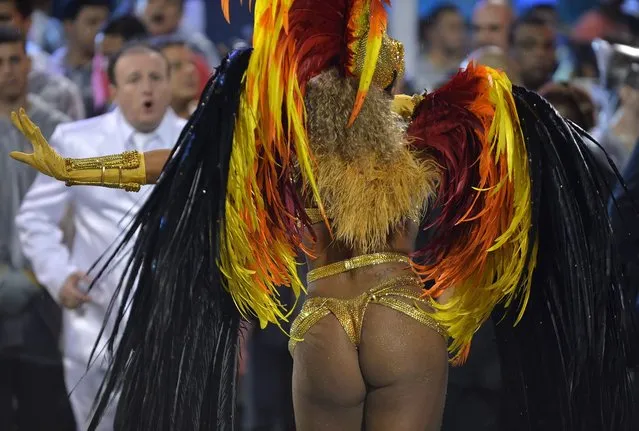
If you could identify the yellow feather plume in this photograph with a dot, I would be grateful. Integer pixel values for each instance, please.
(259, 250)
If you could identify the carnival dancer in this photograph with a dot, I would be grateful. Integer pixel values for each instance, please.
(297, 143)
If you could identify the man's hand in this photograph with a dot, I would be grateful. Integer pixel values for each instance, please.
(71, 296)
(44, 158)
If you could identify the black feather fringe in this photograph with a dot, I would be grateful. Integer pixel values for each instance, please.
(174, 362)
(564, 366)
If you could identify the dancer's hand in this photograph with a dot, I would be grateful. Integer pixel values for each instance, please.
(44, 158)
(404, 105)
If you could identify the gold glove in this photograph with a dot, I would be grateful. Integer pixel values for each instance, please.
(125, 171)
(404, 105)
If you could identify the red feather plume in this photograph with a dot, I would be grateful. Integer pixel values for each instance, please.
(451, 124)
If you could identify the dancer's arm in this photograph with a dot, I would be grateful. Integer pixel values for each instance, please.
(154, 162)
(128, 170)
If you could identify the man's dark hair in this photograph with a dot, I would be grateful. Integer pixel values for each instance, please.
(128, 27)
(134, 47)
(10, 34)
(73, 8)
(428, 21)
(541, 7)
(525, 20)
(24, 7)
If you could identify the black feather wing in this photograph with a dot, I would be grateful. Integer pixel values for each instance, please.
(565, 364)
(175, 343)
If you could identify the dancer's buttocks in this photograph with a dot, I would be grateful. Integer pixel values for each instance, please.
(346, 290)
(367, 354)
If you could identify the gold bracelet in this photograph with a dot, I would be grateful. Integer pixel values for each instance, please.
(101, 171)
(354, 263)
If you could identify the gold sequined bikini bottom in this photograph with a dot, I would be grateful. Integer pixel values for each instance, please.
(391, 293)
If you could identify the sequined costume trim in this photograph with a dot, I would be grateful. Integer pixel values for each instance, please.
(350, 312)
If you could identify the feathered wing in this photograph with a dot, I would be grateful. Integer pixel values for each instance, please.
(570, 349)
(198, 261)
(482, 244)
(523, 226)
(180, 307)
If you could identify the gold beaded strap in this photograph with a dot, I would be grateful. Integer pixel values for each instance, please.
(354, 263)
(121, 171)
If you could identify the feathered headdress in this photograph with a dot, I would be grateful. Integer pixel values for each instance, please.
(522, 224)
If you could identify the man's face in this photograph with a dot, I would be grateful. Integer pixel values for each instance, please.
(534, 53)
(9, 15)
(14, 69)
(142, 90)
(184, 78)
(452, 31)
(162, 16)
(490, 26)
(111, 44)
(86, 26)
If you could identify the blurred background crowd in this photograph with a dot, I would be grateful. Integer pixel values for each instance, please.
(583, 56)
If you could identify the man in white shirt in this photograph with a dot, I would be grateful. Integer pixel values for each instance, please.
(143, 121)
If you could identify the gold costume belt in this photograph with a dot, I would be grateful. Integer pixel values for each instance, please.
(354, 263)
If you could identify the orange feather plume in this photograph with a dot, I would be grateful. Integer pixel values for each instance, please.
(368, 20)
(226, 9)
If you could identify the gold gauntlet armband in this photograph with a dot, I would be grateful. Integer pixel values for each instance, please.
(119, 171)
